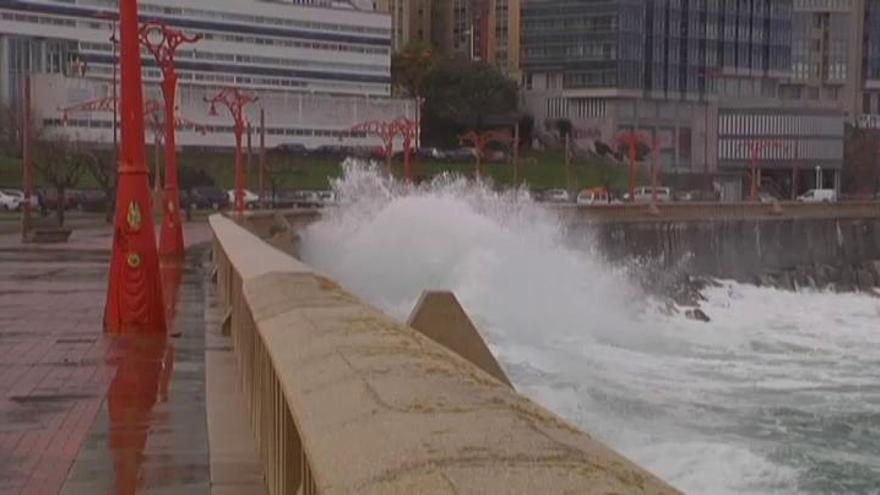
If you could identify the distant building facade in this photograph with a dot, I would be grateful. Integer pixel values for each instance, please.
(486, 30)
(319, 67)
(702, 76)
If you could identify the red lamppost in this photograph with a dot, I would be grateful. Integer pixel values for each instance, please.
(236, 102)
(757, 148)
(481, 140)
(163, 43)
(386, 131)
(632, 139)
(134, 295)
(409, 130)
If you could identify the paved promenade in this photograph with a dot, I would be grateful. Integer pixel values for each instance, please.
(81, 412)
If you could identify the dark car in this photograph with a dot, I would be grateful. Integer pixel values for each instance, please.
(48, 199)
(91, 201)
(208, 197)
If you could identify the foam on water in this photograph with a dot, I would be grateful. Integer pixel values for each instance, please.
(779, 394)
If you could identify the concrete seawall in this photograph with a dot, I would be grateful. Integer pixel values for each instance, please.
(344, 399)
(743, 242)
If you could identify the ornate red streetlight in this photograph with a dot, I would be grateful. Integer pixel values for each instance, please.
(757, 149)
(134, 295)
(481, 141)
(236, 101)
(409, 131)
(163, 43)
(632, 139)
(386, 131)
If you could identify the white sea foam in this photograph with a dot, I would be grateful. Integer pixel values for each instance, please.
(778, 394)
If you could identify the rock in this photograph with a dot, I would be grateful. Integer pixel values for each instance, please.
(865, 280)
(821, 276)
(811, 282)
(874, 268)
(766, 280)
(697, 314)
(785, 282)
(847, 276)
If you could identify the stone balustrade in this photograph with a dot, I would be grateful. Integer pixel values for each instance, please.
(344, 399)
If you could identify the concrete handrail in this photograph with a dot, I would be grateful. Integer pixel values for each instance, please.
(344, 399)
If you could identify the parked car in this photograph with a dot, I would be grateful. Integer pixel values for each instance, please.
(209, 197)
(326, 197)
(430, 153)
(557, 196)
(91, 201)
(48, 199)
(461, 154)
(251, 199)
(646, 194)
(595, 196)
(765, 197)
(819, 196)
(11, 200)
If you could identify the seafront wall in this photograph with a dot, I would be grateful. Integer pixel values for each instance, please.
(785, 245)
(344, 399)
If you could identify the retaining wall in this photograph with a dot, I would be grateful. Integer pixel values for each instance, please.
(344, 399)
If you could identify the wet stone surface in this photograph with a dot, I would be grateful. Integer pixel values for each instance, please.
(150, 436)
(81, 412)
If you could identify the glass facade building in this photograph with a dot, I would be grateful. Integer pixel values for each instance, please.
(665, 47)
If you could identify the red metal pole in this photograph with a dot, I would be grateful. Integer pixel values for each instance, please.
(632, 168)
(755, 151)
(239, 164)
(163, 43)
(655, 170)
(235, 101)
(134, 295)
(27, 161)
(263, 156)
(171, 236)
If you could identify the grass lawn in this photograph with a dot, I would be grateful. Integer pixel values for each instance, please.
(540, 170)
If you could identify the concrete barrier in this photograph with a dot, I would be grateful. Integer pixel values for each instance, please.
(439, 316)
(344, 399)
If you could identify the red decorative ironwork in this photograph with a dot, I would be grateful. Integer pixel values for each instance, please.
(163, 42)
(384, 130)
(236, 102)
(632, 140)
(409, 131)
(134, 295)
(481, 141)
(388, 131)
(757, 149)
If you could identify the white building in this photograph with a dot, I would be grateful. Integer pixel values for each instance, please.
(318, 67)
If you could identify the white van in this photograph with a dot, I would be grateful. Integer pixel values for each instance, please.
(818, 196)
(645, 194)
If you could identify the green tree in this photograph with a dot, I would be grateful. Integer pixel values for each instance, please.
(461, 95)
(103, 168)
(410, 66)
(61, 164)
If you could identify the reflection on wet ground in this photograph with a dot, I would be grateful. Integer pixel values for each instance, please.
(86, 413)
(152, 437)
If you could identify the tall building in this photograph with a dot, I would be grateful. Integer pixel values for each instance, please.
(703, 77)
(826, 48)
(410, 20)
(319, 67)
(487, 30)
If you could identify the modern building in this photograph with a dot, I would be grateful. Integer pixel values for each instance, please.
(318, 67)
(485, 30)
(681, 72)
(410, 20)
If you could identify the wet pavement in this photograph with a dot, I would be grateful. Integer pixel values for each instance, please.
(81, 412)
